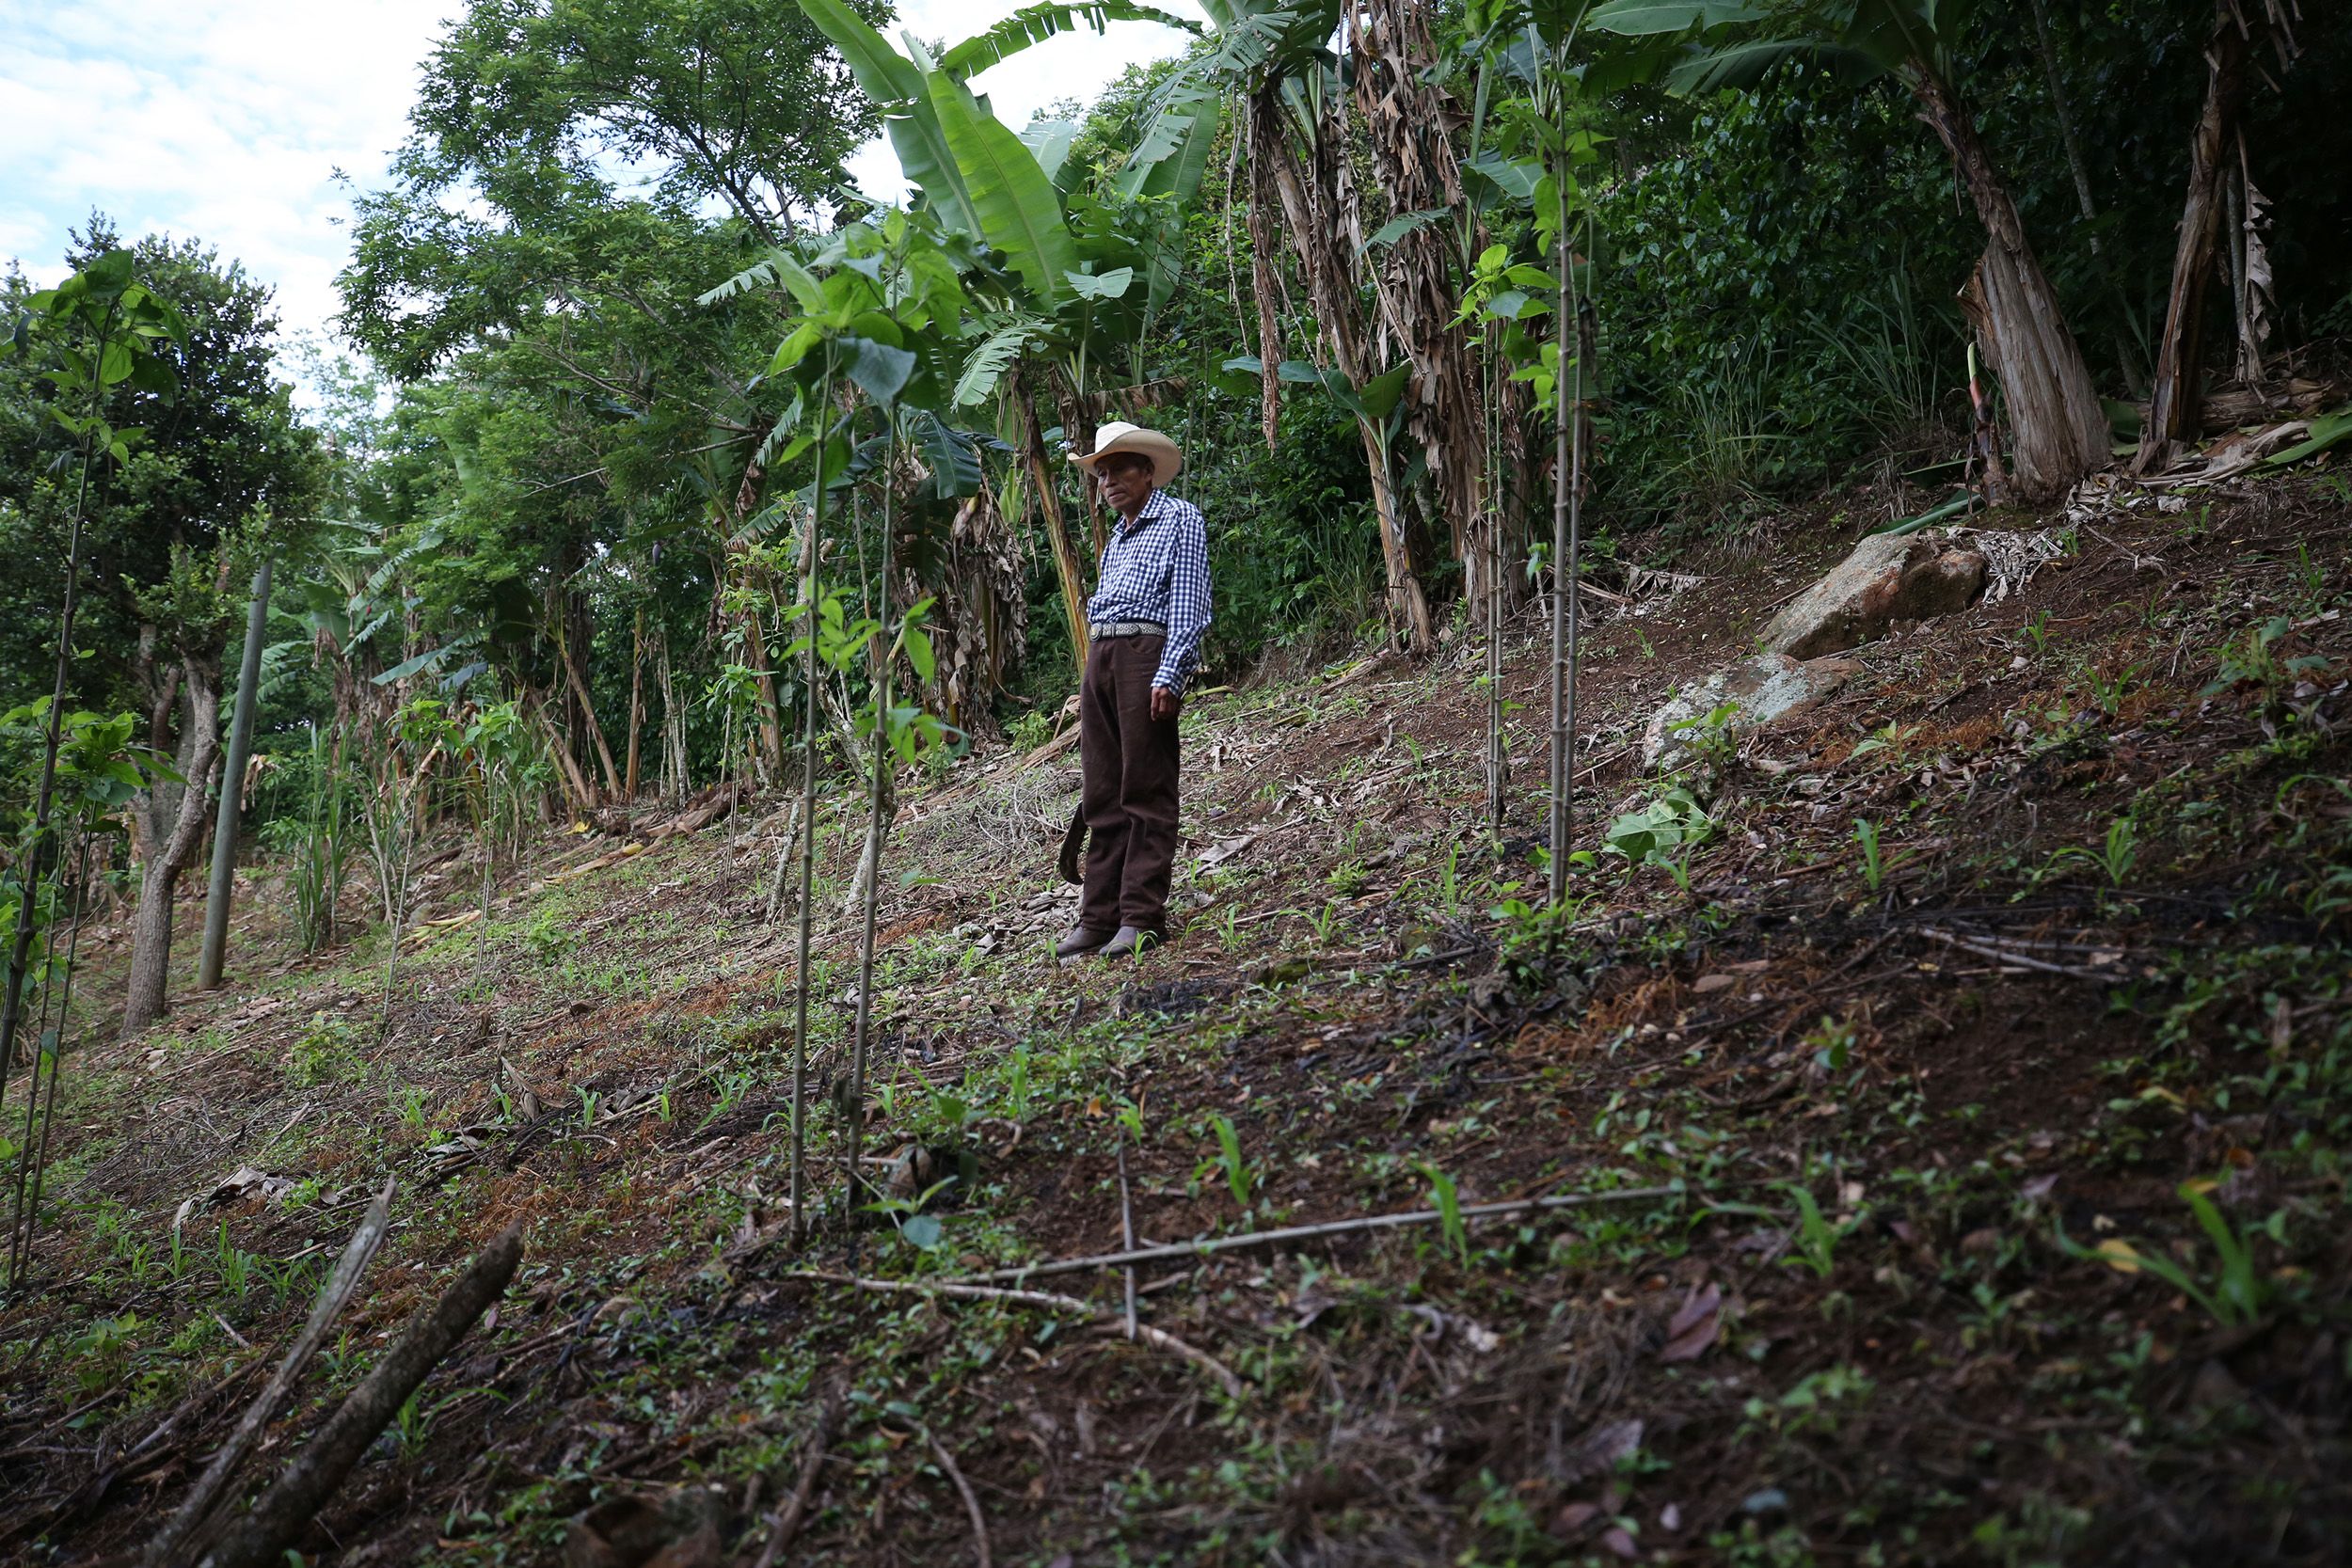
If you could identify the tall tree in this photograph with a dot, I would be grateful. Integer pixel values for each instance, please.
(1410, 118)
(2058, 428)
(735, 99)
(222, 470)
(1303, 188)
(2176, 396)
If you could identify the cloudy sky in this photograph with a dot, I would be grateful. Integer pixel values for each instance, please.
(237, 120)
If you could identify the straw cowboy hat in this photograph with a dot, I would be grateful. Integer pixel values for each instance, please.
(1118, 436)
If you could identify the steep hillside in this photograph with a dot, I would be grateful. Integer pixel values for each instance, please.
(1966, 1185)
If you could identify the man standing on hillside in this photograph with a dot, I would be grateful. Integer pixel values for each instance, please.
(1144, 625)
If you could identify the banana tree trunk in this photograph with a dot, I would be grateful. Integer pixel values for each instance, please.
(1409, 114)
(1066, 562)
(1316, 217)
(2176, 399)
(1405, 591)
(2059, 430)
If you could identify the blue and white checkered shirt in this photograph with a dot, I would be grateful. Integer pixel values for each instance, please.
(1156, 568)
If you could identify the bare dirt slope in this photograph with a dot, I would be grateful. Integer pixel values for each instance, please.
(1924, 1282)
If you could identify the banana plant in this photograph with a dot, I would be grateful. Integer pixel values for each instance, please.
(1274, 60)
(1064, 301)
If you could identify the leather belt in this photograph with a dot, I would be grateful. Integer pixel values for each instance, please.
(1125, 628)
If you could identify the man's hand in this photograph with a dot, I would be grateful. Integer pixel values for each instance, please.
(1165, 704)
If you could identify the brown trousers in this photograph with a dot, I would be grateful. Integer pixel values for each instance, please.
(1130, 799)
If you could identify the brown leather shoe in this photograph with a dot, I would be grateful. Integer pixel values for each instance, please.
(1131, 941)
(1079, 941)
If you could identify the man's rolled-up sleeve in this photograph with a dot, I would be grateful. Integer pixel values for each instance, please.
(1188, 603)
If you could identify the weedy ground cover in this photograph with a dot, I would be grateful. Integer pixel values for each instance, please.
(2003, 1147)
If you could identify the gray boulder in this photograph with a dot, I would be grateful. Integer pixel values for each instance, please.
(1765, 688)
(1882, 581)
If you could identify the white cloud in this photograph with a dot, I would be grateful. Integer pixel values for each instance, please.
(228, 119)
(227, 122)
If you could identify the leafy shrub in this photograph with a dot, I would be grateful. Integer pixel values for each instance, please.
(323, 1054)
(1674, 821)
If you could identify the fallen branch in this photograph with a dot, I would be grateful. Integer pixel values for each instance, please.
(2003, 955)
(787, 1522)
(1226, 1377)
(971, 1503)
(1127, 1230)
(341, 1286)
(297, 1496)
(1309, 1232)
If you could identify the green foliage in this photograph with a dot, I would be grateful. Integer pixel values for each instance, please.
(1662, 833)
(315, 841)
(1448, 1201)
(1866, 834)
(1832, 1043)
(99, 1351)
(2115, 855)
(150, 369)
(2234, 1293)
(1817, 1238)
(1238, 1179)
(323, 1053)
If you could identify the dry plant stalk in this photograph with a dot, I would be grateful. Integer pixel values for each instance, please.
(785, 1524)
(963, 1489)
(1178, 1250)
(188, 1522)
(1226, 1377)
(291, 1503)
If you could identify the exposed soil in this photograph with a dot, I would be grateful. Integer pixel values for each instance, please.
(1925, 1286)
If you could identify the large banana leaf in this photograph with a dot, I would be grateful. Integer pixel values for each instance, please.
(953, 455)
(1743, 64)
(1035, 24)
(1049, 141)
(893, 81)
(1018, 209)
(1174, 152)
(1643, 18)
(992, 357)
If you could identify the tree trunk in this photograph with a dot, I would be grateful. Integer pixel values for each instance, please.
(2073, 144)
(2176, 398)
(1077, 430)
(588, 715)
(173, 817)
(636, 703)
(2059, 430)
(224, 880)
(1409, 117)
(578, 794)
(1405, 591)
(1066, 564)
(1264, 284)
(1320, 220)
